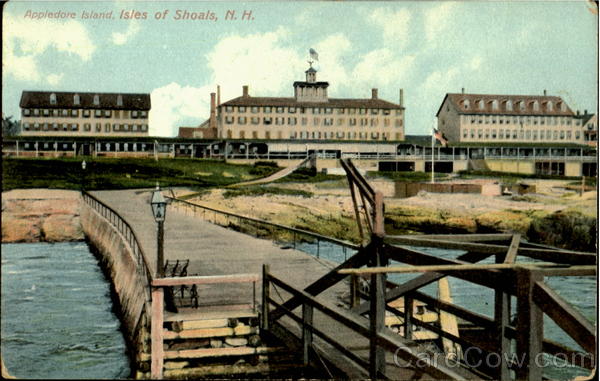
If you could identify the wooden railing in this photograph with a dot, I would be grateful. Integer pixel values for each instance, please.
(227, 219)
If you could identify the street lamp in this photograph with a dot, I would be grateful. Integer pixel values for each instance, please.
(159, 210)
(83, 165)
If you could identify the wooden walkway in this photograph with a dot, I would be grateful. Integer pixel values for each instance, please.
(211, 249)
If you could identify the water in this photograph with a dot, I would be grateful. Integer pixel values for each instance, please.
(57, 319)
(580, 292)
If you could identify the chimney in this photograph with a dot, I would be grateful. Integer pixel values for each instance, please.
(401, 100)
(245, 91)
(544, 92)
(218, 95)
(585, 112)
(373, 93)
(462, 91)
(578, 112)
(213, 112)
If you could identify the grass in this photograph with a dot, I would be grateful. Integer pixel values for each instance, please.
(258, 190)
(105, 173)
(308, 175)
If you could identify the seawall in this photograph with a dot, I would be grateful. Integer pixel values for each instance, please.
(130, 286)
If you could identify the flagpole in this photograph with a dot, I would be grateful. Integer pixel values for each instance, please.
(432, 155)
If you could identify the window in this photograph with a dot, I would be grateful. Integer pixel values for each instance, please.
(501, 133)
(562, 135)
(386, 122)
(52, 99)
(143, 114)
(304, 121)
(144, 127)
(328, 110)
(494, 134)
(279, 121)
(125, 127)
(549, 106)
(466, 104)
(45, 127)
(65, 126)
(480, 104)
(76, 99)
(472, 133)
(341, 111)
(107, 113)
(465, 132)
(577, 135)
(255, 120)
(75, 113)
(536, 106)
(120, 100)
(26, 126)
(509, 105)
(64, 112)
(563, 106)
(75, 127)
(98, 113)
(254, 109)
(268, 120)
(134, 114)
(87, 127)
(351, 111)
(292, 110)
(364, 121)
(568, 134)
(229, 119)
(328, 122)
(522, 105)
(46, 112)
(267, 109)
(106, 127)
(495, 104)
(228, 109)
(115, 127)
(55, 126)
(363, 111)
(97, 100)
(352, 121)
(292, 121)
(26, 112)
(279, 110)
(86, 113)
(316, 121)
(398, 122)
(374, 112)
(241, 119)
(241, 108)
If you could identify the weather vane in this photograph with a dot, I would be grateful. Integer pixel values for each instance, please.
(314, 56)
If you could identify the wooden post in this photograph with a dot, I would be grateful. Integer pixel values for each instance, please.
(582, 185)
(307, 321)
(502, 319)
(160, 260)
(377, 313)
(408, 316)
(530, 328)
(354, 294)
(265, 299)
(156, 331)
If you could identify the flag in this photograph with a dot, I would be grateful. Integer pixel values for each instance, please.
(438, 135)
(313, 54)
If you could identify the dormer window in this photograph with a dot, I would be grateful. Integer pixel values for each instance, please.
(509, 106)
(494, 104)
(119, 100)
(549, 106)
(536, 106)
(522, 105)
(52, 99)
(563, 106)
(480, 104)
(76, 99)
(466, 104)
(96, 100)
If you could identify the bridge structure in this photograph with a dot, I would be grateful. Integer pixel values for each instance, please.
(334, 315)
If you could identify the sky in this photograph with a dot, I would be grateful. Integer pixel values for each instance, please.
(427, 48)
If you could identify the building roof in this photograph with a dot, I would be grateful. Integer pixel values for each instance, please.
(311, 84)
(41, 99)
(469, 104)
(331, 102)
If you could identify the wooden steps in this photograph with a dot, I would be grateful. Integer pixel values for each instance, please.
(220, 342)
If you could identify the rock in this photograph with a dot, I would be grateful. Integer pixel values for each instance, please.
(61, 227)
(216, 343)
(254, 341)
(20, 229)
(236, 342)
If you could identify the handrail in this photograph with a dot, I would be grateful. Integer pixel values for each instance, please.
(125, 229)
(272, 224)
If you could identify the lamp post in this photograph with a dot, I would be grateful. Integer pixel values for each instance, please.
(159, 210)
(83, 165)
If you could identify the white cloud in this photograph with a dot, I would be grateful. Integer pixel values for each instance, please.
(54, 79)
(332, 51)
(395, 24)
(262, 61)
(173, 103)
(24, 41)
(475, 63)
(121, 38)
(382, 67)
(437, 19)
